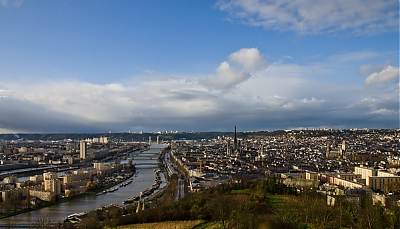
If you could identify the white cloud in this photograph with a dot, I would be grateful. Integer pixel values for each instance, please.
(14, 3)
(227, 76)
(311, 16)
(309, 103)
(386, 75)
(251, 59)
(383, 111)
(377, 102)
(368, 68)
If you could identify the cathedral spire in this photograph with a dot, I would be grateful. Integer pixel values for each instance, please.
(235, 143)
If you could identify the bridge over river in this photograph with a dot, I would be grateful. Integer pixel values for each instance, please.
(143, 159)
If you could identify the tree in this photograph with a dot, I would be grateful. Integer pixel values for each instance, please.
(222, 208)
(91, 185)
(392, 187)
(352, 214)
(90, 222)
(67, 193)
(393, 216)
(101, 177)
(243, 215)
(12, 202)
(53, 199)
(372, 215)
(43, 222)
(10, 225)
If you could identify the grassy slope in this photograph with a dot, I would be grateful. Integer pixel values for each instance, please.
(168, 225)
(276, 202)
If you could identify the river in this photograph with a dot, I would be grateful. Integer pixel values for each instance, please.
(143, 180)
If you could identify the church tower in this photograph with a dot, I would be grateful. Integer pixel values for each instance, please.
(228, 148)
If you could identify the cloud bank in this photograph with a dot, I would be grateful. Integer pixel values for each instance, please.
(245, 90)
(313, 16)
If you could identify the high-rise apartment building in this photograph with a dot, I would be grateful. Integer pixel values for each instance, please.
(83, 150)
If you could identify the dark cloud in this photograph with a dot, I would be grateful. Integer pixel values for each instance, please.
(25, 116)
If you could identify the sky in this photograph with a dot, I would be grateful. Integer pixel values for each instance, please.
(95, 66)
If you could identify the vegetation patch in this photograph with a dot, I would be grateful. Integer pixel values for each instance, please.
(268, 203)
(240, 192)
(208, 225)
(166, 225)
(276, 202)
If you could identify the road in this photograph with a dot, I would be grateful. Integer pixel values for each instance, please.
(180, 190)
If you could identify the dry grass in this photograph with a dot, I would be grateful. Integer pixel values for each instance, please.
(164, 225)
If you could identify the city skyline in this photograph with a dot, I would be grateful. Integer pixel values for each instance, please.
(99, 66)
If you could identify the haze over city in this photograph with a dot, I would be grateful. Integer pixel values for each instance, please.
(99, 66)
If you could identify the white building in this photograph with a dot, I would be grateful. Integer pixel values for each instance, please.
(83, 150)
(365, 172)
(99, 166)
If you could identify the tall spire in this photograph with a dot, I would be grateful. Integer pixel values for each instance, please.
(235, 143)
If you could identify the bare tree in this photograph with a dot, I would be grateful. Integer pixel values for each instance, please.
(10, 225)
(43, 222)
(222, 208)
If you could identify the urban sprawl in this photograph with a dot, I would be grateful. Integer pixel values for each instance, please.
(354, 163)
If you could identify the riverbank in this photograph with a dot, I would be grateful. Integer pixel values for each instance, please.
(59, 201)
(86, 203)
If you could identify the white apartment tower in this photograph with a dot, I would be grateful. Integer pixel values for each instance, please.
(83, 150)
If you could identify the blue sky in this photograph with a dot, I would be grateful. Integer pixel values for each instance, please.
(99, 66)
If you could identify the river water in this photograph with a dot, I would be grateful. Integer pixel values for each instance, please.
(144, 179)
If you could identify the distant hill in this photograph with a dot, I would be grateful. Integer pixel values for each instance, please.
(117, 136)
(184, 135)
